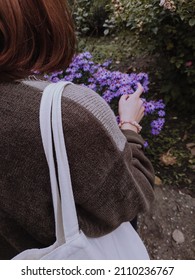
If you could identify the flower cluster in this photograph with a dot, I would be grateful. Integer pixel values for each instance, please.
(168, 5)
(110, 84)
(157, 125)
(118, 7)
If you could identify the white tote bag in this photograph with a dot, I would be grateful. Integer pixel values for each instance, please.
(71, 243)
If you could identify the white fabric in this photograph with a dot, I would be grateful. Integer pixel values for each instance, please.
(71, 243)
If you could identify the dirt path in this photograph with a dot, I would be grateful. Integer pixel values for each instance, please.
(168, 231)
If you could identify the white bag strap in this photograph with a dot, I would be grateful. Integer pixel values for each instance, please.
(69, 214)
(64, 208)
(46, 133)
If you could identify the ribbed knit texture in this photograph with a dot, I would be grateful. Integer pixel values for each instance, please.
(94, 104)
(112, 179)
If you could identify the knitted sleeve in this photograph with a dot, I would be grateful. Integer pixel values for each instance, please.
(112, 178)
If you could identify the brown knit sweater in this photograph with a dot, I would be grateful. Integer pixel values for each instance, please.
(112, 179)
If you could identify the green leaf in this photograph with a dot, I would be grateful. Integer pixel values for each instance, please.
(106, 31)
(192, 22)
(155, 30)
(170, 46)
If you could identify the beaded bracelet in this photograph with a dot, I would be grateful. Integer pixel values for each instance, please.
(134, 123)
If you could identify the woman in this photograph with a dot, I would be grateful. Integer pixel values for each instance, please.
(111, 177)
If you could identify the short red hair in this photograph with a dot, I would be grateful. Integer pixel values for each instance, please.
(34, 35)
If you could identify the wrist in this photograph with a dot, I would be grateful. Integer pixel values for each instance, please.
(128, 126)
(133, 125)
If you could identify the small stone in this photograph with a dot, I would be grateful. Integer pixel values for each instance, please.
(178, 236)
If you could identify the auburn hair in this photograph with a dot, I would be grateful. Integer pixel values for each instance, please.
(35, 35)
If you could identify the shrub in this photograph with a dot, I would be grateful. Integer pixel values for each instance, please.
(167, 28)
(111, 85)
(89, 15)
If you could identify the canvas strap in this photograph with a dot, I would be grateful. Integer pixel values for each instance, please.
(66, 221)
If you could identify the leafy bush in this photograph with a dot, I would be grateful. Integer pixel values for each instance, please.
(89, 15)
(111, 85)
(167, 30)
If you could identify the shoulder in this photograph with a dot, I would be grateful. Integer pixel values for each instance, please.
(93, 104)
(88, 99)
(89, 105)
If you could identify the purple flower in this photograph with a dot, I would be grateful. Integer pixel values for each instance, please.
(123, 90)
(86, 67)
(91, 80)
(161, 113)
(118, 119)
(146, 145)
(78, 75)
(107, 63)
(155, 131)
(124, 79)
(92, 86)
(149, 107)
(68, 70)
(69, 78)
(159, 104)
(111, 85)
(157, 126)
(87, 55)
(55, 79)
(107, 96)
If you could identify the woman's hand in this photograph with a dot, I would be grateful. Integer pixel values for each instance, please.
(131, 108)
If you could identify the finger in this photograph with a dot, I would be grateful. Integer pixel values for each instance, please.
(141, 102)
(139, 90)
(124, 97)
(143, 106)
(142, 109)
(140, 117)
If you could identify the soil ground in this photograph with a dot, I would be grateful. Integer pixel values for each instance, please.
(172, 210)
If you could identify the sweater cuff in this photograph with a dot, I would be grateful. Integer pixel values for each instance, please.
(133, 137)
